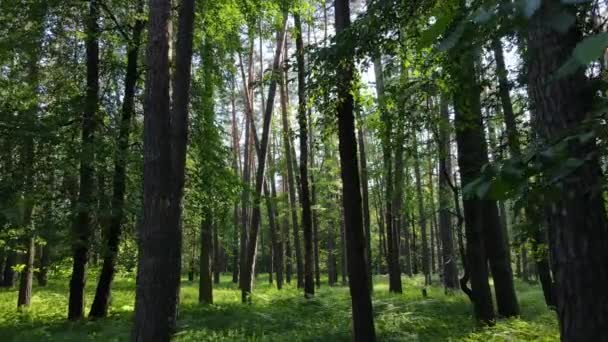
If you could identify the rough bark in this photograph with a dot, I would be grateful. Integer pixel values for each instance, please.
(472, 155)
(362, 312)
(578, 227)
(165, 137)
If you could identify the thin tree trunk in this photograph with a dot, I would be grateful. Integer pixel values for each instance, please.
(205, 286)
(309, 286)
(83, 217)
(259, 180)
(101, 302)
(362, 312)
(365, 200)
(287, 150)
(392, 256)
(421, 217)
(450, 271)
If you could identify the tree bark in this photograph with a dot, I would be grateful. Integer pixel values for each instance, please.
(450, 271)
(363, 319)
(81, 228)
(309, 285)
(578, 227)
(165, 138)
(365, 200)
(472, 155)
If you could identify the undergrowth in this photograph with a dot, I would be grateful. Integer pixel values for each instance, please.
(279, 315)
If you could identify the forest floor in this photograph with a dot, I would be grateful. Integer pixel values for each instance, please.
(279, 315)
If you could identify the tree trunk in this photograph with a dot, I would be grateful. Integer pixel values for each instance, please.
(205, 286)
(81, 228)
(392, 255)
(217, 251)
(101, 302)
(277, 240)
(259, 180)
(363, 319)
(287, 150)
(578, 227)
(309, 285)
(472, 155)
(365, 200)
(450, 271)
(422, 217)
(165, 138)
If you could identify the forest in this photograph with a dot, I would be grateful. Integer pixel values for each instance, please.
(303, 170)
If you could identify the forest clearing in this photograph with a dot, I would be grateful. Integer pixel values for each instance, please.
(303, 170)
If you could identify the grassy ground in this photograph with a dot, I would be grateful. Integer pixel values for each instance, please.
(279, 316)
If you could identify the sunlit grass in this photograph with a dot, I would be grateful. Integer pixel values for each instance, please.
(279, 315)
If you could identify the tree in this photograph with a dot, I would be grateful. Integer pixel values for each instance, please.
(99, 308)
(363, 320)
(82, 218)
(578, 227)
(165, 137)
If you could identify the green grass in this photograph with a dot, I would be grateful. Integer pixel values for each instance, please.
(279, 315)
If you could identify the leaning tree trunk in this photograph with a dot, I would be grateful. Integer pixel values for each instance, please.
(363, 319)
(259, 179)
(578, 226)
(101, 302)
(165, 138)
(81, 228)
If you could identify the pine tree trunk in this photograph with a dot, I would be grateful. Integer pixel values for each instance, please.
(82, 225)
(578, 226)
(165, 139)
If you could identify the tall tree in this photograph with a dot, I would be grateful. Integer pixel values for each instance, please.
(83, 216)
(450, 272)
(363, 319)
(578, 226)
(99, 308)
(309, 286)
(392, 255)
(165, 137)
(246, 284)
